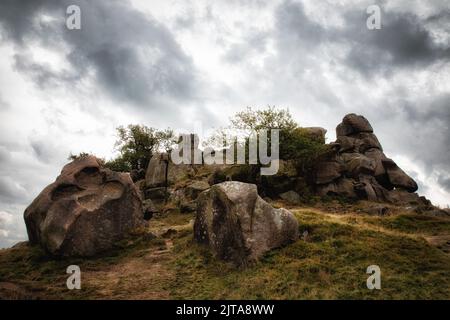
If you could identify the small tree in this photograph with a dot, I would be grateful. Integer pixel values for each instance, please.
(136, 145)
(81, 155)
(295, 143)
(269, 118)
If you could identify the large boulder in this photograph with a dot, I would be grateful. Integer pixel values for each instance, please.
(352, 124)
(157, 171)
(398, 178)
(85, 211)
(238, 225)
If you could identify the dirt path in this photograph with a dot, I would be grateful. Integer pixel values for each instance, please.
(144, 276)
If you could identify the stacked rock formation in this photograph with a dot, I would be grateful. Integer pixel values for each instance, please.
(358, 168)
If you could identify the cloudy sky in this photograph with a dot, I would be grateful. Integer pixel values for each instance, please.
(181, 64)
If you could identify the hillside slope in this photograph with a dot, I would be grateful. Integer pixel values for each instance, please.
(328, 262)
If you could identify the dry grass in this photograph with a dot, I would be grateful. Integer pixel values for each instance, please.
(329, 263)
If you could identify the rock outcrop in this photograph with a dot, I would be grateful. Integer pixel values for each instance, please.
(161, 174)
(85, 211)
(358, 168)
(238, 225)
(157, 171)
(316, 133)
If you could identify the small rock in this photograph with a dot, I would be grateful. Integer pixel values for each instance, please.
(291, 196)
(194, 189)
(378, 210)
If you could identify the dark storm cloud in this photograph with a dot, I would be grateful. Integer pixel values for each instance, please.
(42, 151)
(406, 43)
(418, 128)
(442, 18)
(403, 41)
(132, 56)
(431, 121)
(42, 75)
(17, 17)
(445, 182)
(293, 23)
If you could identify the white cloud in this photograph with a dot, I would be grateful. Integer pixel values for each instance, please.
(11, 229)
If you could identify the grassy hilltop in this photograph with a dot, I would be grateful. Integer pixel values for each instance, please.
(328, 262)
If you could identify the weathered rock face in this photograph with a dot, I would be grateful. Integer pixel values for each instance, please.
(195, 188)
(163, 173)
(327, 172)
(85, 210)
(397, 177)
(316, 133)
(238, 225)
(359, 168)
(157, 171)
(184, 198)
(352, 124)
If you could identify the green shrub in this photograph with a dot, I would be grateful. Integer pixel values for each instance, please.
(136, 145)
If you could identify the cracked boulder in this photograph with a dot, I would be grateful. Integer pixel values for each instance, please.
(238, 225)
(85, 211)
